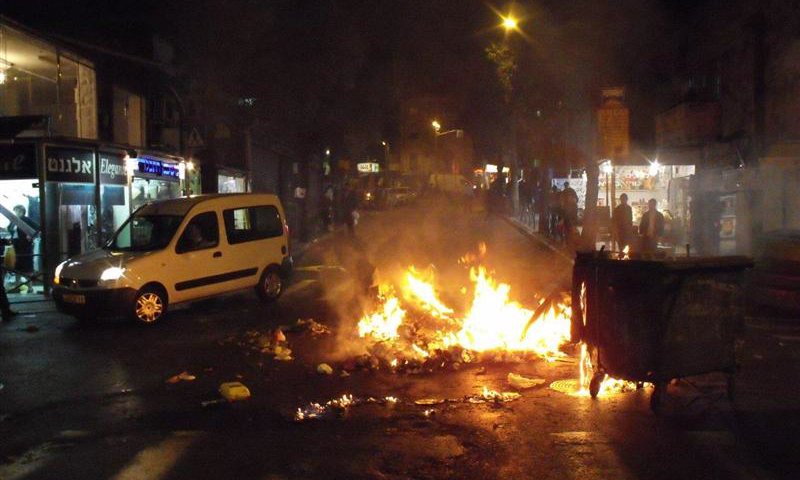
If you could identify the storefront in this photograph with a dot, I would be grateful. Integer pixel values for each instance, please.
(154, 178)
(231, 181)
(63, 198)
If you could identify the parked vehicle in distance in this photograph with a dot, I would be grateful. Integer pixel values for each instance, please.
(180, 250)
(397, 196)
(775, 280)
(453, 184)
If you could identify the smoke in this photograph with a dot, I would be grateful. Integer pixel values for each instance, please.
(432, 237)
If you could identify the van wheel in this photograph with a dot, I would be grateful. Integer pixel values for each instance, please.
(270, 286)
(150, 305)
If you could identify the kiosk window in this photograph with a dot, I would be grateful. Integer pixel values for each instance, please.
(201, 232)
(252, 223)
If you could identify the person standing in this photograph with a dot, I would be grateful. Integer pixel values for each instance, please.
(23, 243)
(622, 222)
(5, 305)
(351, 201)
(569, 207)
(651, 228)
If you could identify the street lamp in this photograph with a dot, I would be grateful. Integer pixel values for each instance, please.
(385, 152)
(509, 22)
(436, 126)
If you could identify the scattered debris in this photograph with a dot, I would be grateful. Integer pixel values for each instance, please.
(521, 383)
(234, 391)
(429, 412)
(492, 396)
(181, 377)
(338, 406)
(429, 401)
(344, 374)
(312, 326)
(324, 369)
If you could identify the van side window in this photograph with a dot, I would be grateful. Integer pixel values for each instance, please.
(252, 223)
(200, 233)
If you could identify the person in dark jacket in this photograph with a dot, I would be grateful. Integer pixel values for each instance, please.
(23, 243)
(622, 222)
(651, 228)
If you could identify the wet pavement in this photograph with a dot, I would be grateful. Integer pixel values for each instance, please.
(92, 401)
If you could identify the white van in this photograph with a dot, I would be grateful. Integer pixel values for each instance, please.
(180, 250)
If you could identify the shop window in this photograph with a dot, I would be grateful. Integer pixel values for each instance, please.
(20, 226)
(253, 223)
(231, 184)
(144, 190)
(42, 80)
(200, 233)
(114, 194)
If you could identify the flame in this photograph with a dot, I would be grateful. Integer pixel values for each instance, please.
(492, 323)
(418, 289)
(609, 385)
(625, 252)
(496, 323)
(383, 325)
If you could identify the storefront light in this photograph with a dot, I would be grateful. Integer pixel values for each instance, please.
(130, 165)
(182, 170)
(607, 168)
(189, 166)
(655, 167)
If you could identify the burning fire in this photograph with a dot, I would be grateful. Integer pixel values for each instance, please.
(492, 323)
(608, 386)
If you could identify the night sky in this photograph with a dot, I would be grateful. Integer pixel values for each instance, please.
(325, 70)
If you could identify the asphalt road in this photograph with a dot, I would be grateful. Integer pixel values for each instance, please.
(92, 401)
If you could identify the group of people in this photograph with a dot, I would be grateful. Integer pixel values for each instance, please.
(561, 214)
(651, 226)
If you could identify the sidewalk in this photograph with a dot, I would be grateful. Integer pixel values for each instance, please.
(526, 227)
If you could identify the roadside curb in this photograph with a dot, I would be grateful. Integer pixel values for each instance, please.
(525, 230)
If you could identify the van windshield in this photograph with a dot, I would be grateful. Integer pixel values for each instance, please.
(144, 233)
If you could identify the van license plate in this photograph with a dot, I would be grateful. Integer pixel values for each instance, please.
(73, 298)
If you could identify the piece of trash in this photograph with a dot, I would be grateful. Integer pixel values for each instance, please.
(324, 369)
(429, 412)
(521, 383)
(234, 391)
(429, 401)
(181, 377)
(493, 396)
(283, 354)
(278, 336)
(344, 374)
(216, 401)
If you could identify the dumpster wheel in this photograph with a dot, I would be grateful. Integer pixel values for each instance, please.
(594, 384)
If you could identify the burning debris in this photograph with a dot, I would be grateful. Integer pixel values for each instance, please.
(417, 331)
(338, 406)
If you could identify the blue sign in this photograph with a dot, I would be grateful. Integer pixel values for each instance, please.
(157, 167)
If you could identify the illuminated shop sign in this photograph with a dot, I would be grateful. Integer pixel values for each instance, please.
(158, 168)
(69, 165)
(370, 167)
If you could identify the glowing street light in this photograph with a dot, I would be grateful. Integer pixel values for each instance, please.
(509, 22)
(436, 126)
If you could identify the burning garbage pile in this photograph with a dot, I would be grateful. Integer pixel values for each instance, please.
(412, 329)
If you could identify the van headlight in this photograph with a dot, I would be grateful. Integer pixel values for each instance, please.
(57, 273)
(111, 274)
